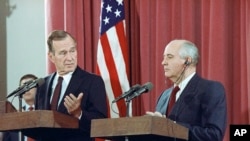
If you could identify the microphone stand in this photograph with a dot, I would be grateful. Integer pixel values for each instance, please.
(128, 108)
(127, 100)
(127, 112)
(20, 103)
(20, 97)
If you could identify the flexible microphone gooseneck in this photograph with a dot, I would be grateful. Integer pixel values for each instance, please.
(127, 93)
(26, 87)
(145, 88)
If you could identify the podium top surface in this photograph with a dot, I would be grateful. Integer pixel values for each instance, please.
(137, 126)
(36, 119)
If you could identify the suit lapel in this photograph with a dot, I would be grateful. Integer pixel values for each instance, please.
(74, 84)
(48, 90)
(187, 95)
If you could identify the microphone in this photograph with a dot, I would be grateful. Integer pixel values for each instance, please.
(145, 88)
(129, 92)
(26, 87)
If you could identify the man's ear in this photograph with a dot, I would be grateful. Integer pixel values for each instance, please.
(50, 55)
(188, 61)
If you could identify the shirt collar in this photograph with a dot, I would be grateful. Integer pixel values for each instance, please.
(184, 83)
(66, 78)
(27, 107)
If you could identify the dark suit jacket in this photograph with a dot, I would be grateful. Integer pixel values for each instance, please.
(10, 136)
(93, 103)
(201, 108)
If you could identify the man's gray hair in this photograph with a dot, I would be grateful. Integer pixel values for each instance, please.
(189, 49)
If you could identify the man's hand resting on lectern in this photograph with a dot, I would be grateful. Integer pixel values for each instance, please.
(157, 114)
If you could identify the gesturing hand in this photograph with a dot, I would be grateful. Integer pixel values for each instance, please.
(73, 104)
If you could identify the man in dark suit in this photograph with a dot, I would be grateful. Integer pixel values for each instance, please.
(200, 104)
(82, 94)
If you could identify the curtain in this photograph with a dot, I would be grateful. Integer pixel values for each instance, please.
(219, 28)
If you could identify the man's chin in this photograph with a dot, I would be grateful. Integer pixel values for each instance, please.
(167, 75)
(70, 69)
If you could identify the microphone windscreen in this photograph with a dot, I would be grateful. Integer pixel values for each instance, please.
(40, 81)
(136, 86)
(148, 86)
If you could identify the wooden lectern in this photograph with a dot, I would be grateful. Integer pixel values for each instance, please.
(6, 107)
(144, 128)
(38, 124)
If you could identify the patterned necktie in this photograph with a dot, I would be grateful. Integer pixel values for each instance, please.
(56, 94)
(172, 99)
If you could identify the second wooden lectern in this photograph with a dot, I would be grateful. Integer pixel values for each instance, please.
(144, 128)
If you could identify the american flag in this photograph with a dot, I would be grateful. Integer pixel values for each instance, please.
(112, 54)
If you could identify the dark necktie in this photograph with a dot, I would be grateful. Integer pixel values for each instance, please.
(31, 108)
(30, 139)
(172, 99)
(56, 94)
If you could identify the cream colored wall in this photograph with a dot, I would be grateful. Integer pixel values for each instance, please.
(25, 38)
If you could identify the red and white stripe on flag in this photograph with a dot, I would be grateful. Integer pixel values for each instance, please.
(112, 54)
